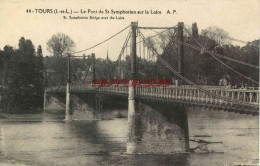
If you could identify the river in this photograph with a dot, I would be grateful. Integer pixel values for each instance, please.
(45, 140)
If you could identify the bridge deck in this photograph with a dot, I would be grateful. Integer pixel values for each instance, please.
(246, 101)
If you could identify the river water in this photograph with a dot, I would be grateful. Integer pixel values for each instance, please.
(45, 140)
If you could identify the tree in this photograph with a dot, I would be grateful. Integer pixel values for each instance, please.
(220, 36)
(5, 67)
(5, 57)
(38, 76)
(198, 65)
(60, 44)
(248, 53)
(25, 90)
(56, 67)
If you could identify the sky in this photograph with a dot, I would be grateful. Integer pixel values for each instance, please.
(240, 18)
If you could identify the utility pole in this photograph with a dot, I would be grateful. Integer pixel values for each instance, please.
(180, 49)
(132, 128)
(94, 66)
(67, 114)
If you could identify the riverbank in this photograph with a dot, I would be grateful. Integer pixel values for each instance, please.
(21, 117)
(59, 116)
(2, 116)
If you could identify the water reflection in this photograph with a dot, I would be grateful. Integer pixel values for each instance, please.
(50, 141)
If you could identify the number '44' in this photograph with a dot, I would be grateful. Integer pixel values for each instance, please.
(28, 10)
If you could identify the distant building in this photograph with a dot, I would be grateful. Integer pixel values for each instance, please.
(107, 59)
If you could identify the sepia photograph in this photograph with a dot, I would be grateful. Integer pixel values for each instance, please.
(129, 83)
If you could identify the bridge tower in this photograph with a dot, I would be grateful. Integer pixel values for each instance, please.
(180, 50)
(155, 127)
(132, 128)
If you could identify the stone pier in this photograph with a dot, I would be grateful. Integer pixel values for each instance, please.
(83, 107)
(158, 129)
(54, 103)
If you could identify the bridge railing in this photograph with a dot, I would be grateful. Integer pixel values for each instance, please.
(192, 94)
(114, 89)
(185, 93)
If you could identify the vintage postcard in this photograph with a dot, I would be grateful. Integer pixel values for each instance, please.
(128, 82)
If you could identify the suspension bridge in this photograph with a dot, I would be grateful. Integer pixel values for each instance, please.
(157, 118)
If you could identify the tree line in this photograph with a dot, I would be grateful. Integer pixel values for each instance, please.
(202, 68)
(199, 66)
(24, 72)
(21, 78)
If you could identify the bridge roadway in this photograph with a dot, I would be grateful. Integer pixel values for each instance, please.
(247, 101)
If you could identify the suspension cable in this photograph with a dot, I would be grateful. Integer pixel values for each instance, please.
(167, 49)
(193, 84)
(234, 70)
(119, 56)
(203, 48)
(124, 46)
(219, 55)
(158, 33)
(74, 72)
(230, 38)
(88, 66)
(102, 41)
(156, 27)
(213, 55)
